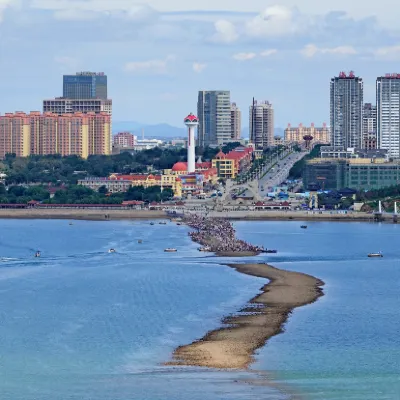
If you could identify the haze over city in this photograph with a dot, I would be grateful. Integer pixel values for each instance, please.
(158, 54)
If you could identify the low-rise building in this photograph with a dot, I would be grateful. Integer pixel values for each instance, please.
(230, 164)
(112, 185)
(298, 134)
(345, 153)
(356, 173)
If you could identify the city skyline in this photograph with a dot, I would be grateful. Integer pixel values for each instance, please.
(250, 53)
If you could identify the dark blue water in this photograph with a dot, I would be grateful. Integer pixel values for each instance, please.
(79, 323)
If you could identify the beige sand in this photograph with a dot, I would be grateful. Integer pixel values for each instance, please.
(233, 346)
(86, 214)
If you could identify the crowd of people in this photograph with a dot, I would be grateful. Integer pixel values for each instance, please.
(218, 235)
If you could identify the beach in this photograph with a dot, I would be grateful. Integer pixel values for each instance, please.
(233, 345)
(96, 214)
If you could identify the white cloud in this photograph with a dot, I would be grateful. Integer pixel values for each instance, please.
(225, 32)
(153, 67)
(199, 67)
(312, 50)
(244, 56)
(275, 21)
(269, 52)
(388, 53)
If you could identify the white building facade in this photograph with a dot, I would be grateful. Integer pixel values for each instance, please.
(388, 113)
(261, 124)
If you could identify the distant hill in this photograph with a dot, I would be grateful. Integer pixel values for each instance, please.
(150, 131)
(161, 131)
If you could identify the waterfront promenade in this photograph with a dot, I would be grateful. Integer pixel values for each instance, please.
(91, 214)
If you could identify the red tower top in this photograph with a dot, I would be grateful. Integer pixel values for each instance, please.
(191, 118)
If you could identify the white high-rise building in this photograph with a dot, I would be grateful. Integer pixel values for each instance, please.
(214, 113)
(261, 120)
(236, 122)
(388, 113)
(347, 99)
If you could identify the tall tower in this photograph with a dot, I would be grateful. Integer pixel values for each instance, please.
(236, 122)
(388, 112)
(214, 112)
(261, 124)
(346, 110)
(191, 121)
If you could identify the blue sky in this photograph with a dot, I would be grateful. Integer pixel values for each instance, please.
(159, 53)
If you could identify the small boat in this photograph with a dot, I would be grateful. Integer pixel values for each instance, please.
(162, 223)
(178, 223)
(151, 223)
(170, 250)
(303, 226)
(70, 223)
(271, 251)
(111, 251)
(205, 248)
(140, 241)
(375, 254)
(37, 254)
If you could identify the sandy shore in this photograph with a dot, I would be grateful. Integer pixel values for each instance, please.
(147, 214)
(233, 346)
(83, 214)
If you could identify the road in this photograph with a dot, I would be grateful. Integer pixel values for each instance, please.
(279, 173)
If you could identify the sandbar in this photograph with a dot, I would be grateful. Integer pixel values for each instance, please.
(234, 344)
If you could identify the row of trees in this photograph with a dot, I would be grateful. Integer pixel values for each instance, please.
(75, 194)
(296, 171)
(56, 169)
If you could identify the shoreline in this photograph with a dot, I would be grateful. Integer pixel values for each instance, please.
(99, 215)
(233, 345)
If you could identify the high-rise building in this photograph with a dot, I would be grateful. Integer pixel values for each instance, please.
(369, 134)
(214, 113)
(85, 85)
(236, 122)
(125, 139)
(346, 104)
(299, 134)
(388, 113)
(15, 135)
(62, 105)
(48, 133)
(261, 124)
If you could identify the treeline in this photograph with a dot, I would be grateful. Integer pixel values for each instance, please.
(296, 171)
(56, 169)
(75, 194)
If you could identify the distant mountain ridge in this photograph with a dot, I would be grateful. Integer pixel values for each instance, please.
(163, 130)
(150, 131)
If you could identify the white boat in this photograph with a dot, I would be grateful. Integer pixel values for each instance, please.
(375, 254)
(37, 254)
(111, 251)
(170, 250)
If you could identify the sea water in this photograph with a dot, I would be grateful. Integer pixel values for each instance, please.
(347, 344)
(79, 323)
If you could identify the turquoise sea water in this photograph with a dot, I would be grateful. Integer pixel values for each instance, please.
(79, 323)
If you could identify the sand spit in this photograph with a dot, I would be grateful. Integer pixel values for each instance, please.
(233, 346)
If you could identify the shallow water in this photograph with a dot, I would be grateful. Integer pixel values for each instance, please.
(79, 323)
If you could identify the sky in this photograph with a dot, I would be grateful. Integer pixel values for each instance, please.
(157, 54)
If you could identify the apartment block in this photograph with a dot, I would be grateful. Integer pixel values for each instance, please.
(261, 123)
(346, 109)
(48, 133)
(214, 113)
(236, 122)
